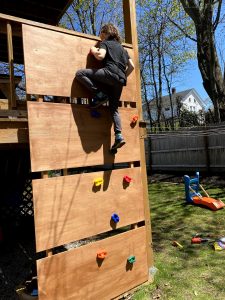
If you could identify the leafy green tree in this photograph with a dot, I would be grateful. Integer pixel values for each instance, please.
(163, 49)
(88, 16)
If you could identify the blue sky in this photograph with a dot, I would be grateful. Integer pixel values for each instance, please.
(192, 79)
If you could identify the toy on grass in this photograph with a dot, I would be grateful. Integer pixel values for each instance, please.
(219, 244)
(193, 195)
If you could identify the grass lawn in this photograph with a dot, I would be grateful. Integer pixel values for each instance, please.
(196, 271)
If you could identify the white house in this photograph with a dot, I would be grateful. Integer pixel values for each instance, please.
(188, 99)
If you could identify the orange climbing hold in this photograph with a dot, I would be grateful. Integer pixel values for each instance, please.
(134, 119)
(101, 254)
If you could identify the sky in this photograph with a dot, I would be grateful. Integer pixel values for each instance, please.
(192, 79)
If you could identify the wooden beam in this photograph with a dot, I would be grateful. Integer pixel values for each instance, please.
(129, 10)
(12, 98)
(44, 175)
(127, 21)
(13, 135)
(13, 113)
(6, 18)
(16, 28)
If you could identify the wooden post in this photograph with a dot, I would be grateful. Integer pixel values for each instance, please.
(129, 11)
(40, 98)
(44, 174)
(28, 97)
(12, 97)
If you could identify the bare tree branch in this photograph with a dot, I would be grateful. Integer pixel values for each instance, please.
(216, 22)
(181, 29)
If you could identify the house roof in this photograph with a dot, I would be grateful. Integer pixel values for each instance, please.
(181, 95)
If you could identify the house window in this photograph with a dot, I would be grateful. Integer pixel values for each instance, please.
(194, 108)
(190, 108)
(194, 100)
(189, 99)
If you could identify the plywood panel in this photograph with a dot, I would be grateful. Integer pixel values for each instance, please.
(70, 208)
(65, 136)
(75, 274)
(52, 59)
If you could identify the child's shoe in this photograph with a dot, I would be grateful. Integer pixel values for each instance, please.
(99, 99)
(119, 142)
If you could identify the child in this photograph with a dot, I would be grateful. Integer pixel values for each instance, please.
(117, 65)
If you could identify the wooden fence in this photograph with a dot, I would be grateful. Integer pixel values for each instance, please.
(195, 149)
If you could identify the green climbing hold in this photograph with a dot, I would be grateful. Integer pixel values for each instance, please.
(131, 259)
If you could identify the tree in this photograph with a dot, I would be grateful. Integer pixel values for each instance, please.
(87, 16)
(163, 52)
(206, 16)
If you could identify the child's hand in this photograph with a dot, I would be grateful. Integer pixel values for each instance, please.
(93, 50)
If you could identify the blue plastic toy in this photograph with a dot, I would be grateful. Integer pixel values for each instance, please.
(193, 195)
(191, 184)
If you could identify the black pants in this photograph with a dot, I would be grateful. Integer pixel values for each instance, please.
(101, 79)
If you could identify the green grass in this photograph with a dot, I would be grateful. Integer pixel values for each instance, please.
(196, 271)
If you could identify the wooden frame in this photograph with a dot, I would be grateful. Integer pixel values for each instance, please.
(47, 121)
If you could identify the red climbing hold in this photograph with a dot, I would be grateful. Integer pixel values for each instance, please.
(127, 178)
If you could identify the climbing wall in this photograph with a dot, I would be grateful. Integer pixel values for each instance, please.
(101, 211)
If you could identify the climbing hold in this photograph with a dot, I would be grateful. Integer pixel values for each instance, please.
(127, 179)
(134, 119)
(98, 181)
(101, 254)
(95, 114)
(115, 218)
(131, 259)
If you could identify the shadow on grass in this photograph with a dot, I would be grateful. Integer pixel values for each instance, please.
(173, 219)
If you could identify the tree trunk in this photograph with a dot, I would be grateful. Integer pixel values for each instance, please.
(209, 65)
(208, 61)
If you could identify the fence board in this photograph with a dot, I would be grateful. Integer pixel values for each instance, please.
(76, 274)
(188, 150)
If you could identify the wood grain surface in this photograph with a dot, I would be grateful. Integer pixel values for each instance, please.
(66, 136)
(76, 274)
(52, 59)
(70, 208)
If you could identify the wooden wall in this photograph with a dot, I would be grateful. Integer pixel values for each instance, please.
(76, 274)
(75, 209)
(69, 208)
(52, 59)
(71, 137)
